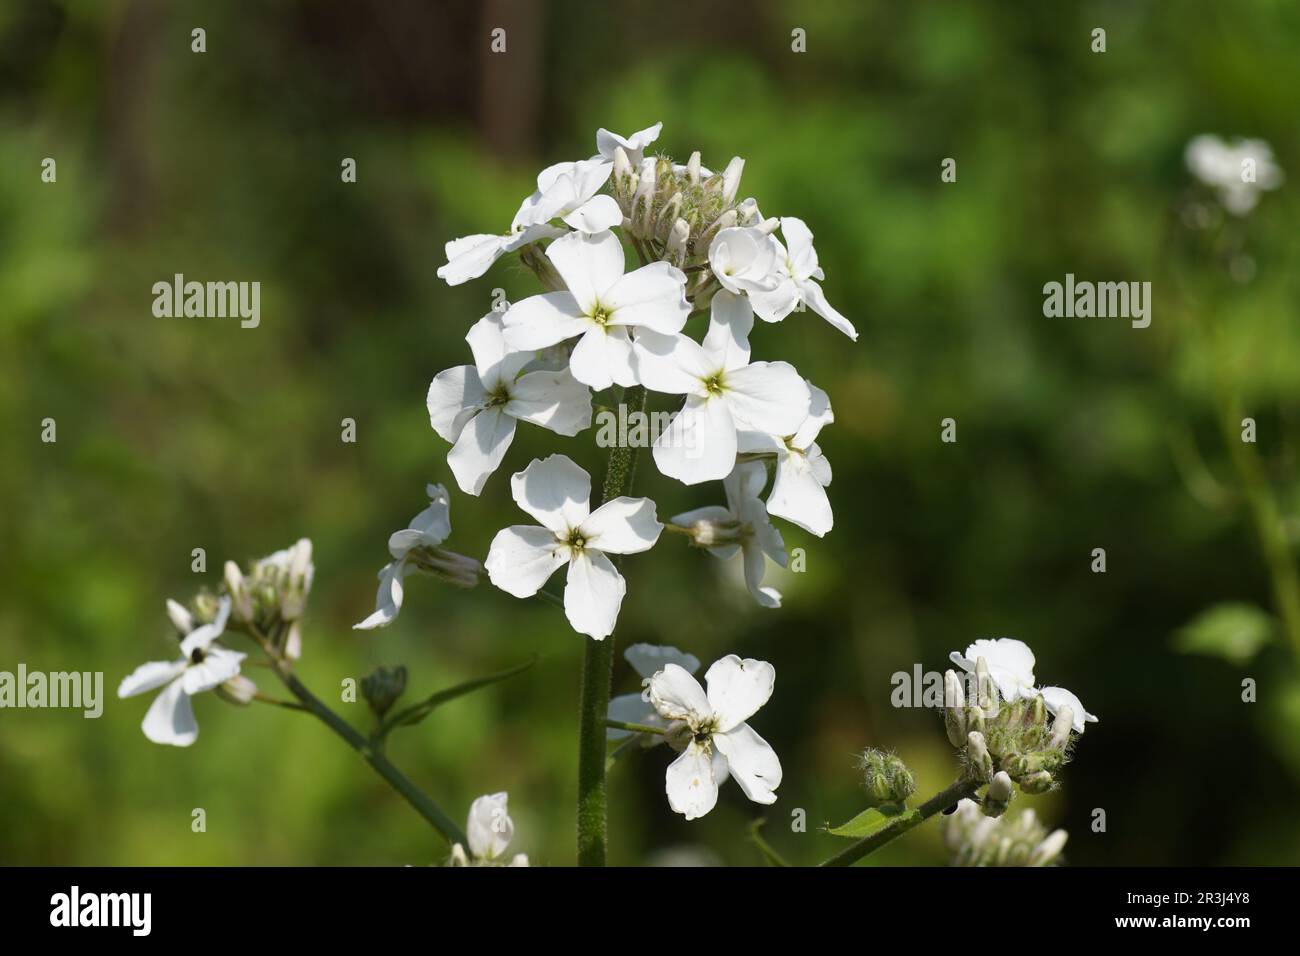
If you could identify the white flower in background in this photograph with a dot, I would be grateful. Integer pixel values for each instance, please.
(1238, 172)
(203, 665)
(634, 146)
(571, 192)
(721, 743)
(744, 259)
(646, 660)
(725, 393)
(743, 525)
(802, 471)
(1010, 663)
(289, 572)
(557, 493)
(602, 305)
(489, 830)
(417, 548)
(797, 273)
(475, 407)
(1058, 698)
(471, 256)
(979, 840)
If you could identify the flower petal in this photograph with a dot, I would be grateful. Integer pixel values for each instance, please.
(589, 265)
(146, 677)
(673, 364)
(217, 667)
(731, 318)
(554, 400)
(595, 215)
(496, 363)
(816, 300)
(690, 784)
(388, 598)
(602, 357)
(593, 594)
(799, 245)
(1057, 697)
(555, 491)
(768, 397)
(170, 719)
(455, 396)
(522, 558)
(676, 695)
(752, 762)
(481, 447)
(631, 709)
(649, 659)
(469, 257)
(1011, 665)
(798, 496)
(653, 297)
(622, 525)
(700, 442)
(541, 321)
(489, 827)
(737, 689)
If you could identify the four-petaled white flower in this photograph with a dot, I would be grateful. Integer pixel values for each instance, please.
(1010, 663)
(725, 392)
(602, 305)
(720, 742)
(647, 660)
(743, 525)
(802, 471)
(571, 192)
(476, 406)
(557, 493)
(203, 665)
(1238, 173)
(608, 143)
(489, 830)
(427, 530)
(744, 259)
(797, 273)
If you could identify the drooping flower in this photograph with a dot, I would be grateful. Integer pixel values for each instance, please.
(418, 548)
(475, 407)
(571, 192)
(725, 392)
(489, 830)
(743, 525)
(1010, 663)
(557, 493)
(470, 256)
(646, 660)
(1058, 699)
(602, 306)
(802, 471)
(203, 665)
(1237, 172)
(720, 742)
(797, 272)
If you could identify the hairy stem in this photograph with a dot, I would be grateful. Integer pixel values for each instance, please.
(394, 777)
(597, 673)
(904, 822)
(634, 728)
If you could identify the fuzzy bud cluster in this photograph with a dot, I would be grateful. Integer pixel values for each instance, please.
(886, 778)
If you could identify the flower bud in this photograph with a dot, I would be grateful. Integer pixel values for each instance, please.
(876, 777)
(998, 796)
(241, 601)
(902, 784)
(725, 221)
(979, 761)
(1022, 765)
(237, 690)
(676, 249)
(974, 720)
(986, 694)
(954, 723)
(768, 226)
(1061, 728)
(731, 179)
(1049, 849)
(1039, 782)
(707, 533)
(382, 687)
(455, 569)
(622, 167)
(1036, 715)
(180, 617)
(693, 168)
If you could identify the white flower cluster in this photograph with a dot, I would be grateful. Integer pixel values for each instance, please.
(1237, 172)
(1011, 666)
(600, 325)
(975, 839)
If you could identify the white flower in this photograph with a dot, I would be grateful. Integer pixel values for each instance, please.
(646, 660)
(802, 471)
(744, 259)
(489, 830)
(475, 406)
(602, 305)
(289, 572)
(634, 146)
(571, 192)
(741, 526)
(721, 743)
(557, 493)
(1057, 698)
(203, 665)
(797, 273)
(427, 530)
(471, 256)
(724, 392)
(1010, 663)
(1223, 167)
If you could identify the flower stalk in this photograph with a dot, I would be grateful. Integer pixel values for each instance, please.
(905, 821)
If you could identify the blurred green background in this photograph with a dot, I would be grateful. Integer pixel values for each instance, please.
(1073, 433)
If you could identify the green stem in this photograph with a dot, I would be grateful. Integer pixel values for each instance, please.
(394, 777)
(633, 728)
(597, 673)
(904, 822)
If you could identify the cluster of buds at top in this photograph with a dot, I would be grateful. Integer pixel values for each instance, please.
(976, 840)
(677, 210)
(886, 778)
(1016, 739)
(272, 595)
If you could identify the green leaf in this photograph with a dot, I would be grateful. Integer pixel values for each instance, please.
(869, 821)
(417, 712)
(1232, 631)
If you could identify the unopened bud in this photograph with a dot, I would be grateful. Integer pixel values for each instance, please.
(902, 784)
(382, 687)
(180, 617)
(731, 179)
(974, 720)
(998, 796)
(622, 167)
(676, 249)
(985, 691)
(241, 601)
(1039, 782)
(237, 690)
(769, 226)
(693, 168)
(1037, 712)
(1062, 728)
(1049, 849)
(668, 215)
(953, 695)
(979, 761)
